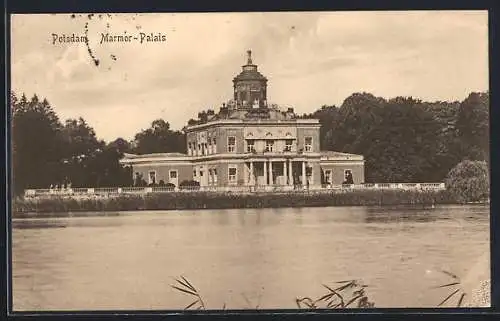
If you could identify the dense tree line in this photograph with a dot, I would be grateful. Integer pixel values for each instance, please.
(47, 152)
(403, 140)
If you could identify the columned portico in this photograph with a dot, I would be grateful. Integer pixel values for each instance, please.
(277, 171)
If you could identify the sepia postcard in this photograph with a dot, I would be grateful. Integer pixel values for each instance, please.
(253, 160)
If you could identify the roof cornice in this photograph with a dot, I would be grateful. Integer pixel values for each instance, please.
(253, 122)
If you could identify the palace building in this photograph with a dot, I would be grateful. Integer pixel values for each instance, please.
(251, 143)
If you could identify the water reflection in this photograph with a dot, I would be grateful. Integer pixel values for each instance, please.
(129, 261)
(222, 217)
(400, 217)
(37, 224)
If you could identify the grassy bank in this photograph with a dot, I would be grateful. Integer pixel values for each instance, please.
(180, 201)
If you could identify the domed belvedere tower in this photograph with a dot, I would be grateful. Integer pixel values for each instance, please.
(250, 87)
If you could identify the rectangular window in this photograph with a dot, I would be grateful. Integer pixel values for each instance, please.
(250, 146)
(152, 177)
(194, 173)
(269, 145)
(173, 174)
(201, 173)
(231, 144)
(214, 142)
(288, 145)
(348, 177)
(190, 151)
(215, 175)
(308, 144)
(202, 149)
(328, 176)
(210, 176)
(232, 175)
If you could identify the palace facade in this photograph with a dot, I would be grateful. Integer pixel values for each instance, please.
(251, 143)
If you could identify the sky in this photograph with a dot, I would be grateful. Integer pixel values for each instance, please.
(310, 58)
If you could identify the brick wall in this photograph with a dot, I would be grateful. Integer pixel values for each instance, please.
(316, 168)
(358, 173)
(223, 133)
(184, 172)
(304, 132)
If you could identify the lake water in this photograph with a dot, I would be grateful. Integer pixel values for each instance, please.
(243, 257)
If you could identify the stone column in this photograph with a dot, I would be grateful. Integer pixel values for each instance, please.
(270, 172)
(284, 171)
(252, 178)
(290, 176)
(245, 174)
(304, 173)
(264, 165)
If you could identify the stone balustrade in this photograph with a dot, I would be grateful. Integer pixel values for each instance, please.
(232, 189)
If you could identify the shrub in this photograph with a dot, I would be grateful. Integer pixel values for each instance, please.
(469, 181)
(189, 184)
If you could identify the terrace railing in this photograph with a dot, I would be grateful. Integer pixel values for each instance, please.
(109, 191)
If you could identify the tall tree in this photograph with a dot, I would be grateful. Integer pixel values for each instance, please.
(36, 143)
(449, 151)
(401, 147)
(118, 175)
(89, 161)
(121, 145)
(473, 126)
(159, 138)
(82, 148)
(329, 119)
(358, 115)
